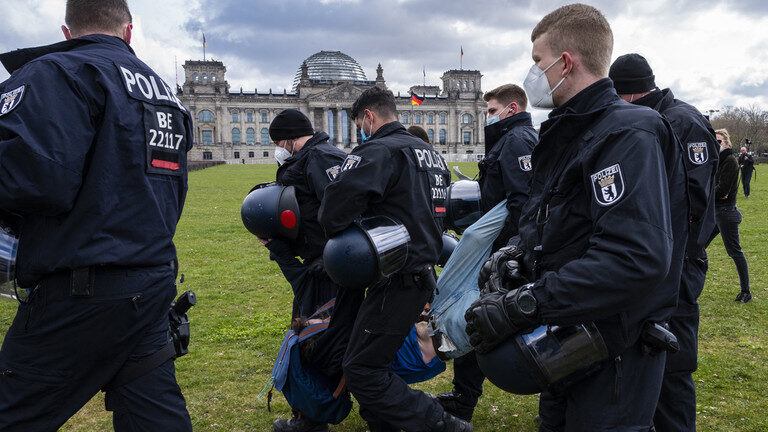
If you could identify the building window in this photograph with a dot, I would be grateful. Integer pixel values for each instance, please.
(207, 156)
(195, 77)
(236, 136)
(205, 77)
(249, 117)
(472, 85)
(430, 119)
(417, 119)
(265, 154)
(213, 77)
(237, 155)
(405, 119)
(250, 136)
(263, 117)
(250, 154)
(431, 135)
(205, 116)
(466, 118)
(442, 136)
(444, 152)
(235, 117)
(265, 136)
(207, 137)
(467, 137)
(442, 119)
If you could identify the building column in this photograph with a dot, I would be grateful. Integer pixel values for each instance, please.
(339, 138)
(451, 126)
(325, 120)
(352, 131)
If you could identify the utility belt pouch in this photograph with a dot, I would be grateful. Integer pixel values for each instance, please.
(658, 338)
(81, 282)
(426, 279)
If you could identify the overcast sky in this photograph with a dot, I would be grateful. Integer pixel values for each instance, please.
(711, 53)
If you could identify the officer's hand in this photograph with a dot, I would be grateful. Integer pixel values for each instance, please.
(497, 316)
(501, 272)
(317, 266)
(264, 241)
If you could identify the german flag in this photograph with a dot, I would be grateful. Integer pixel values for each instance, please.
(415, 100)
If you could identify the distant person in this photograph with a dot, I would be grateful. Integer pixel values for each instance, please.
(747, 166)
(420, 133)
(727, 215)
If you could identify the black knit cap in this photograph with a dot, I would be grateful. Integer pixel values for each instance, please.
(631, 74)
(290, 124)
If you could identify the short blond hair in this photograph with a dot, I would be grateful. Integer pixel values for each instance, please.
(726, 136)
(579, 29)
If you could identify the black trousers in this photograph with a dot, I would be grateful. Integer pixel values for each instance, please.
(746, 178)
(619, 398)
(386, 317)
(676, 411)
(728, 219)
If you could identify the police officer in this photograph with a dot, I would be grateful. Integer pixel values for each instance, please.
(597, 240)
(634, 81)
(394, 174)
(308, 163)
(93, 157)
(504, 174)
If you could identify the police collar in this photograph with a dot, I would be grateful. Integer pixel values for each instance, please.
(317, 138)
(597, 95)
(14, 60)
(657, 99)
(387, 129)
(494, 132)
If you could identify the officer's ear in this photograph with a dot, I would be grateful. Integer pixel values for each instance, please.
(127, 33)
(568, 64)
(67, 34)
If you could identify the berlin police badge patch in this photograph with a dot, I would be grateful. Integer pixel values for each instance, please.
(333, 171)
(350, 162)
(10, 100)
(608, 185)
(697, 152)
(525, 162)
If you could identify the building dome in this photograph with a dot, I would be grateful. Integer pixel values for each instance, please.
(331, 65)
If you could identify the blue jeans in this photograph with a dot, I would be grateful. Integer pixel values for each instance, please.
(728, 219)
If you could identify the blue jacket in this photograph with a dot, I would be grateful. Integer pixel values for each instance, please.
(605, 227)
(92, 156)
(505, 172)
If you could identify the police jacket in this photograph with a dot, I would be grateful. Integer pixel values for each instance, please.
(506, 169)
(697, 138)
(597, 231)
(746, 163)
(397, 175)
(93, 156)
(727, 179)
(309, 171)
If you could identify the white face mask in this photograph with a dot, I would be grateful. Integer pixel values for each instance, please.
(537, 87)
(282, 155)
(495, 119)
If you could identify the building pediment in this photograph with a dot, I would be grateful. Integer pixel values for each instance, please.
(343, 92)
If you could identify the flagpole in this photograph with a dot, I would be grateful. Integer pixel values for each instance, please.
(203, 46)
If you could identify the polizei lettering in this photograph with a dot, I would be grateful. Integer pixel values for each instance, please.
(429, 160)
(148, 87)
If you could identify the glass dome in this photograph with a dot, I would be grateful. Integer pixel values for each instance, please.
(331, 65)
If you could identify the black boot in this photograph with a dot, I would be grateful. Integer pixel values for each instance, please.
(744, 297)
(299, 423)
(457, 404)
(450, 423)
(380, 426)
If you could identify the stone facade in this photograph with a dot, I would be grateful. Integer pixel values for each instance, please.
(232, 126)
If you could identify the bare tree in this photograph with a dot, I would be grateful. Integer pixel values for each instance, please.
(745, 123)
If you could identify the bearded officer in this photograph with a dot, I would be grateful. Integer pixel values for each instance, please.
(597, 236)
(397, 175)
(634, 81)
(505, 173)
(93, 147)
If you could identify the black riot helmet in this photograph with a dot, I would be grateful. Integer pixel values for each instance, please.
(369, 250)
(271, 210)
(450, 241)
(462, 205)
(547, 357)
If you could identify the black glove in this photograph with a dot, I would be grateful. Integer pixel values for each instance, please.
(501, 272)
(497, 316)
(316, 266)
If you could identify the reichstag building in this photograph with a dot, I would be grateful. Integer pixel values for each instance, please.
(232, 126)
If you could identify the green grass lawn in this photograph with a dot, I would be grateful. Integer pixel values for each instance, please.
(244, 307)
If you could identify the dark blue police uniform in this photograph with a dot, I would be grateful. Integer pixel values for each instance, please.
(505, 173)
(397, 175)
(604, 235)
(93, 149)
(676, 410)
(309, 171)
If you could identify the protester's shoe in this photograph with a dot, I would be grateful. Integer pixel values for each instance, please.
(379, 426)
(450, 423)
(744, 297)
(457, 404)
(299, 423)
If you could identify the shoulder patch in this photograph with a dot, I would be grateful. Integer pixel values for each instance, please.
(12, 99)
(333, 171)
(350, 162)
(608, 185)
(525, 162)
(697, 152)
